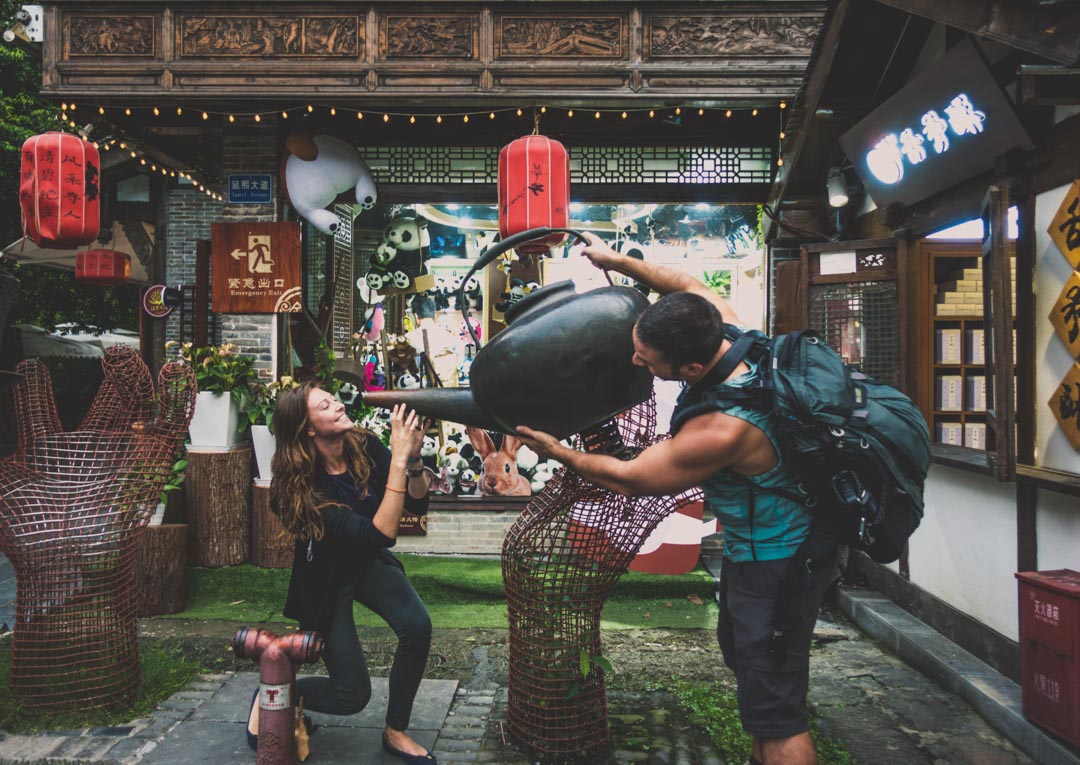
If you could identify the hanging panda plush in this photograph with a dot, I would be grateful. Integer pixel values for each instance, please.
(400, 257)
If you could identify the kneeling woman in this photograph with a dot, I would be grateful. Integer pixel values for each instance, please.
(340, 492)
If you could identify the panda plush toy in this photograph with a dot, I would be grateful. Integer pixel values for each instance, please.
(400, 257)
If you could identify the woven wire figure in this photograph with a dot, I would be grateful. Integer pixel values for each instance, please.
(72, 505)
(560, 562)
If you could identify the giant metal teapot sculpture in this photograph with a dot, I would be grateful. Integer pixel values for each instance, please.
(563, 364)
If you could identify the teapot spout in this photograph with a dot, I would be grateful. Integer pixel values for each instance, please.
(453, 404)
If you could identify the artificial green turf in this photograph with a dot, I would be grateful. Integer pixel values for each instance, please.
(458, 592)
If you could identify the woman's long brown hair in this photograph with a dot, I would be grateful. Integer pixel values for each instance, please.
(293, 494)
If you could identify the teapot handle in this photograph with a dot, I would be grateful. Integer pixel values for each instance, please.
(495, 251)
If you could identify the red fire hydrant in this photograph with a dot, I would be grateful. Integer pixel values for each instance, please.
(279, 658)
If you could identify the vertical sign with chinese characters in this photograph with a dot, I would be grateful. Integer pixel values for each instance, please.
(1065, 404)
(251, 189)
(256, 267)
(1065, 227)
(946, 125)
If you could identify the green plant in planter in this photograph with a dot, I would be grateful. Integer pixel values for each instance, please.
(221, 369)
(262, 398)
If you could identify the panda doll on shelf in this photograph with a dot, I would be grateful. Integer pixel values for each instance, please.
(401, 254)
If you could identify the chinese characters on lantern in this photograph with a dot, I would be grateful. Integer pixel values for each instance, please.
(887, 159)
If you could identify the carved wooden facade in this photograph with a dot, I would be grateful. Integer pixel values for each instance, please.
(749, 52)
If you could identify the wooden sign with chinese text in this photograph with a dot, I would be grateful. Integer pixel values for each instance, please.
(1065, 315)
(1065, 227)
(1065, 403)
(256, 268)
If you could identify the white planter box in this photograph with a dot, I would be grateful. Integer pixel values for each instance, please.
(265, 444)
(214, 425)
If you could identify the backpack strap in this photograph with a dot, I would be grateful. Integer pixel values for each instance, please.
(744, 345)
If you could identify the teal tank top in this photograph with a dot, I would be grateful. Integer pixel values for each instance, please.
(779, 524)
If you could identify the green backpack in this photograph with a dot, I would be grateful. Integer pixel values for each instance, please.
(861, 447)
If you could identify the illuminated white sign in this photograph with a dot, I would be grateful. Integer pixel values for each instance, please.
(886, 159)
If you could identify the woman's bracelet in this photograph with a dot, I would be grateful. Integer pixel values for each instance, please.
(415, 472)
(396, 491)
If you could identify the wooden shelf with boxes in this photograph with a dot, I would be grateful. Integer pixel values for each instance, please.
(949, 371)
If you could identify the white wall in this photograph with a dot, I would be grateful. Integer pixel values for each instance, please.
(1057, 521)
(964, 552)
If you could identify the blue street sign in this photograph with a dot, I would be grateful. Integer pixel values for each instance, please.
(251, 189)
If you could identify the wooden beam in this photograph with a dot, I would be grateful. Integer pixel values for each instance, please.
(1052, 32)
(805, 107)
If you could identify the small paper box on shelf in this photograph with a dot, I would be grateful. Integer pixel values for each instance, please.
(949, 393)
(946, 310)
(961, 285)
(952, 298)
(974, 350)
(947, 346)
(948, 433)
(975, 435)
(975, 393)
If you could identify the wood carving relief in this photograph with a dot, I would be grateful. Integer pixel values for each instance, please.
(579, 37)
(109, 36)
(429, 36)
(726, 36)
(270, 36)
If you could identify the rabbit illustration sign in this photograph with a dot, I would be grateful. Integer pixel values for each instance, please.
(500, 472)
(316, 169)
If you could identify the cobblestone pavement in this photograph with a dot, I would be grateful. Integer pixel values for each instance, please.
(882, 711)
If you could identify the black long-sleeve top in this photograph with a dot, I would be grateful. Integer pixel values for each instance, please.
(350, 541)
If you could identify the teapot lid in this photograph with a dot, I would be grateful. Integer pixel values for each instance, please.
(550, 294)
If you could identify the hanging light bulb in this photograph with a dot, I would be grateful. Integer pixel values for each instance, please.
(385, 117)
(438, 120)
(284, 114)
(597, 115)
(570, 113)
(123, 145)
(727, 113)
(133, 155)
(63, 106)
(783, 104)
(258, 117)
(310, 108)
(231, 118)
(783, 135)
(779, 161)
(753, 113)
(465, 119)
(206, 116)
(71, 107)
(543, 109)
(101, 110)
(127, 112)
(157, 112)
(359, 115)
(412, 120)
(624, 115)
(179, 111)
(678, 110)
(491, 116)
(652, 113)
(143, 161)
(519, 112)
(333, 112)
(154, 167)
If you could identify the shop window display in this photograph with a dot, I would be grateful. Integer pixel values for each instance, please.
(716, 244)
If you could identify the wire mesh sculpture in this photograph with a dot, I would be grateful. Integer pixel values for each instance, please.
(560, 561)
(72, 505)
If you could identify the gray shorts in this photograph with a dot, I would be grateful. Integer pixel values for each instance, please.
(772, 675)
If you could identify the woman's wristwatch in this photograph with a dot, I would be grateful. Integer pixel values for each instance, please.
(414, 468)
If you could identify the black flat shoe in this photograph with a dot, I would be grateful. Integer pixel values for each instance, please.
(408, 759)
(252, 739)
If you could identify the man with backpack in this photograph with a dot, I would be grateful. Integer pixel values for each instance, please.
(777, 564)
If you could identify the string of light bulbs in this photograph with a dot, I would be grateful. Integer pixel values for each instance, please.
(441, 117)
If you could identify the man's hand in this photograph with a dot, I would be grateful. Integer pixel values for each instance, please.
(601, 256)
(544, 444)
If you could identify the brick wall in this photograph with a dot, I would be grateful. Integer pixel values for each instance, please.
(189, 215)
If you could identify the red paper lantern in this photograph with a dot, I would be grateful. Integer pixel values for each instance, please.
(534, 190)
(105, 268)
(59, 190)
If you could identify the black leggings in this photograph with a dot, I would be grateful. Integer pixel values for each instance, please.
(385, 590)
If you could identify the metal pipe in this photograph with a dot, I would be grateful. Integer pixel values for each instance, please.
(279, 658)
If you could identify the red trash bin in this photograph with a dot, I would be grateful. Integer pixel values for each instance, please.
(1050, 650)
